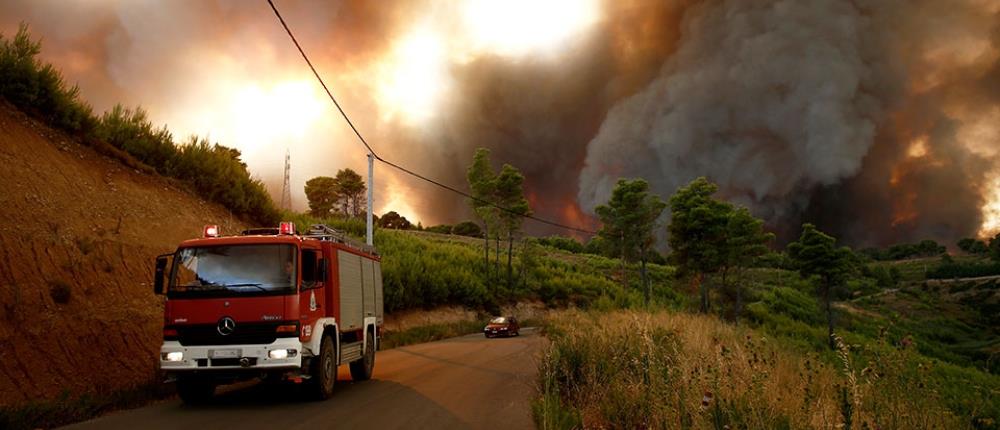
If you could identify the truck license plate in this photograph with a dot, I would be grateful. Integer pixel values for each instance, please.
(224, 353)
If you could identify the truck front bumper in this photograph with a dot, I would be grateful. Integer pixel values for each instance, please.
(176, 357)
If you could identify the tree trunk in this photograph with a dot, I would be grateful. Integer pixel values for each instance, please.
(510, 262)
(725, 286)
(645, 282)
(496, 258)
(739, 299)
(486, 247)
(700, 286)
(624, 273)
(829, 315)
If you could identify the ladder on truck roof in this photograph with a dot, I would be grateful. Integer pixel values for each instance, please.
(327, 233)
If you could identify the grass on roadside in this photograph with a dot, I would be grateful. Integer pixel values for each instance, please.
(632, 369)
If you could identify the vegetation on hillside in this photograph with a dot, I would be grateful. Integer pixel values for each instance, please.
(215, 172)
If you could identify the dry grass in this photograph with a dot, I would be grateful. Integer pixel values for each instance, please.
(670, 370)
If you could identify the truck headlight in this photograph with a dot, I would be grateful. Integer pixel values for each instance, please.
(281, 354)
(173, 356)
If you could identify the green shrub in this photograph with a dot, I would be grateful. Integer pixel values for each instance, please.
(39, 88)
(964, 270)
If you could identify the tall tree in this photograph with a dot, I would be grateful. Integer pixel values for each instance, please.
(698, 230)
(973, 246)
(351, 192)
(321, 192)
(509, 194)
(629, 219)
(994, 248)
(482, 183)
(816, 254)
(746, 241)
(394, 220)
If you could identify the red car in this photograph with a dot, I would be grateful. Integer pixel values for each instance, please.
(502, 326)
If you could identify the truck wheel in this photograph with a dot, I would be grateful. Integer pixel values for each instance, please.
(324, 372)
(194, 390)
(361, 370)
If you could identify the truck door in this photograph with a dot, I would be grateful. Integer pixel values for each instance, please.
(312, 294)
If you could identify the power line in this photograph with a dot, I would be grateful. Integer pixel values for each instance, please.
(397, 166)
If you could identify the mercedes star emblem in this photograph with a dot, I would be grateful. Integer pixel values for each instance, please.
(226, 326)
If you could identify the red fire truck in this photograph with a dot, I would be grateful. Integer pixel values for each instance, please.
(269, 303)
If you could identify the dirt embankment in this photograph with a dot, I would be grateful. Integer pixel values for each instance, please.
(78, 236)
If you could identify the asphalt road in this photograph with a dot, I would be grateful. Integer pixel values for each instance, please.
(465, 382)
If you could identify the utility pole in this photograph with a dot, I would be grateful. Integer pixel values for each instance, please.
(286, 188)
(371, 185)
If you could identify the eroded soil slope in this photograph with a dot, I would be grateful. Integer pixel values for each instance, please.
(78, 236)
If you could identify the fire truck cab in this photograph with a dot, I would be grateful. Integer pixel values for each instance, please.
(269, 303)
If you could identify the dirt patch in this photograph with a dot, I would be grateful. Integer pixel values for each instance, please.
(78, 237)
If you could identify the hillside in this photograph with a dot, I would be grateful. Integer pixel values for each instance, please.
(82, 229)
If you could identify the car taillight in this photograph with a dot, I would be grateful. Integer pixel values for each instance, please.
(170, 334)
(288, 329)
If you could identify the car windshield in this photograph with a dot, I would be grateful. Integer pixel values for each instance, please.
(498, 320)
(234, 270)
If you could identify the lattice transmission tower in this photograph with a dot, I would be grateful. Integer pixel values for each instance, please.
(286, 187)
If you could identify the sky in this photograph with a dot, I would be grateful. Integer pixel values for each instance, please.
(878, 120)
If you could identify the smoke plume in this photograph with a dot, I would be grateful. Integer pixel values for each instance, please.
(808, 110)
(877, 119)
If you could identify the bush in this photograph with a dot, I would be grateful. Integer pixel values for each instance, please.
(467, 228)
(440, 229)
(955, 270)
(562, 242)
(902, 251)
(39, 88)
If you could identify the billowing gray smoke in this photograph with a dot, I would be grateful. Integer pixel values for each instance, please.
(782, 103)
(877, 119)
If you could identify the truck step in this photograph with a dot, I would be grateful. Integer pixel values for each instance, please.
(351, 352)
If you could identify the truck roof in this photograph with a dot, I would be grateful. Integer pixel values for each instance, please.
(240, 240)
(270, 239)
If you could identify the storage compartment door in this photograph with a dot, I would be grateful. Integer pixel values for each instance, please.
(379, 305)
(351, 294)
(368, 275)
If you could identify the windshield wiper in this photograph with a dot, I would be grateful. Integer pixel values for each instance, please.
(246, 285)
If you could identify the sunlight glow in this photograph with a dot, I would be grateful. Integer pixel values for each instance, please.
(397, 201)
(991, 210)
(413, 78)
(518, 27)
(268, 115)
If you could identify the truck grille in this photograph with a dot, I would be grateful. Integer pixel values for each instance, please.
(245, 333)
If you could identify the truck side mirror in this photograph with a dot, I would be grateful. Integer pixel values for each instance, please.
(161, 266)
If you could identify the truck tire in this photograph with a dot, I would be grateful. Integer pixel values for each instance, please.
(361, 370)
(194, 390)
(324, 372)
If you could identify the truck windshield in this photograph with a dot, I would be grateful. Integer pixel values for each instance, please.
(234, 270)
